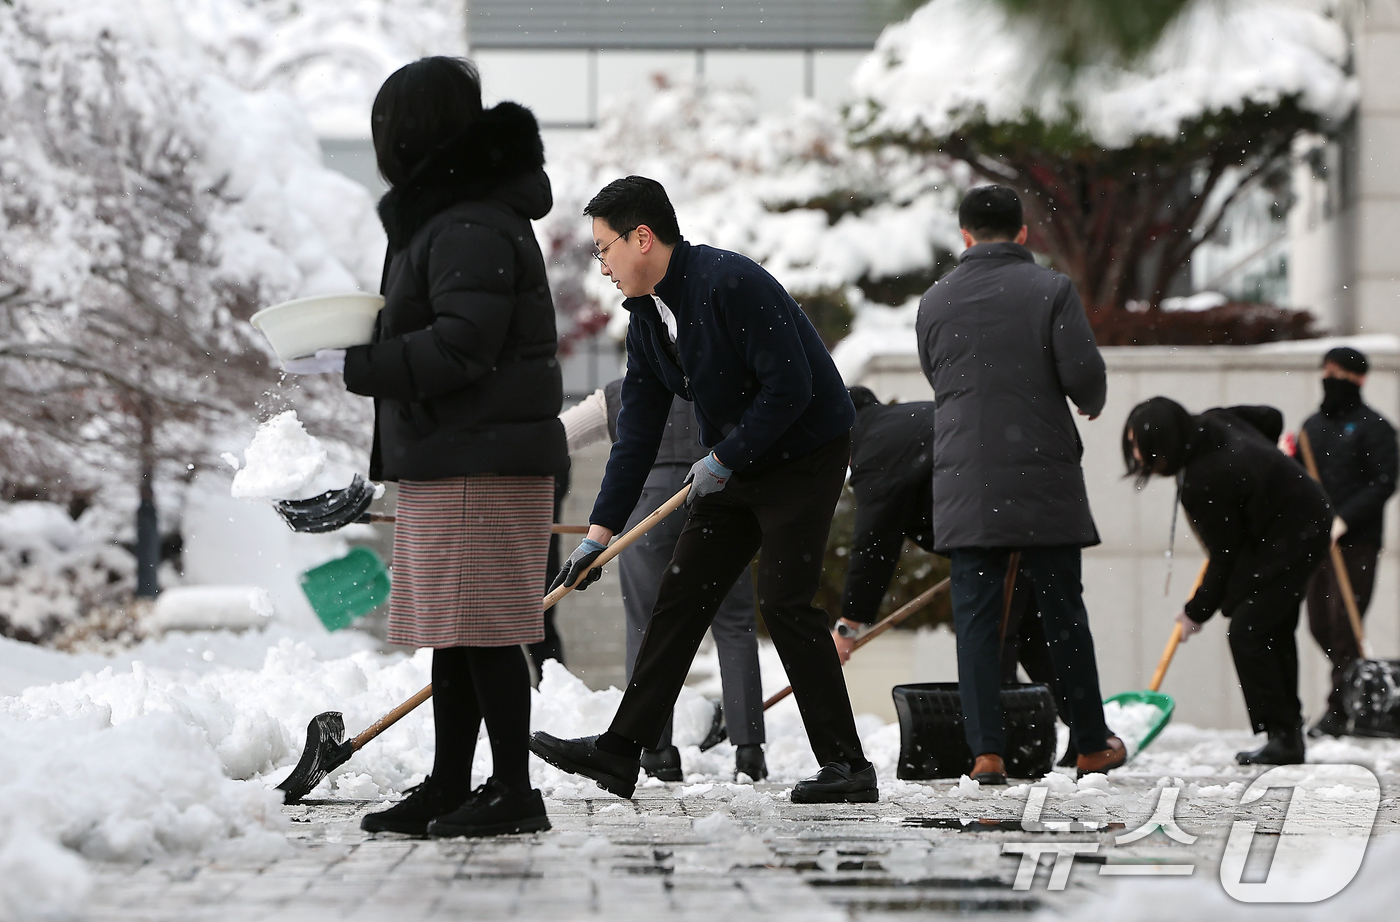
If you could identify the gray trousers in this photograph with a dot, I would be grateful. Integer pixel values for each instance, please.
(640, 568)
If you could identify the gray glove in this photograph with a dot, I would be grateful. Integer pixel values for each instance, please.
(579, 561)
(706, 476)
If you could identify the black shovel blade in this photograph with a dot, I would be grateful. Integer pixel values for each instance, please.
(1371, 697)
(332, 510)
(718, 731)
(325, 750)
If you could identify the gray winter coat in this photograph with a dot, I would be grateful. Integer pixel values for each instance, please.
(1004, 342)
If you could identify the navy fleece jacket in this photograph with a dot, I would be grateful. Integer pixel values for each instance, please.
(764, 387)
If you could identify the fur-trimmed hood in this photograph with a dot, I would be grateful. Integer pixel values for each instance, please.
(498, 156)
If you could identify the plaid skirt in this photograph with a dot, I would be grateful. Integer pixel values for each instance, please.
(469, 561)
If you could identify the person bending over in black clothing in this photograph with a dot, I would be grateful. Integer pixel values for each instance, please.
(892, 478)
(1265, 525)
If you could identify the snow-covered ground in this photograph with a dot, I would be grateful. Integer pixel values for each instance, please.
(174, 748)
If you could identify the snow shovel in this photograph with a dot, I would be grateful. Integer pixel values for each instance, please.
(1151, 696)
(326, 747)
(1371, 696)
(343, 589)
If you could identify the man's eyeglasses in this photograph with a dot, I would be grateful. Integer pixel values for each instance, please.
(601, 255)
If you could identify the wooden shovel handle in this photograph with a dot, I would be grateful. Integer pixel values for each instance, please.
(1339, 564)
(1175, 640)
(620, 544)
(894, 617)
(553, 529)
(391, 718)
(617, 547)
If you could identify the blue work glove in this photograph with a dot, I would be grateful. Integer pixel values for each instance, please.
(324, 362)
(579, 561)
(706, 476)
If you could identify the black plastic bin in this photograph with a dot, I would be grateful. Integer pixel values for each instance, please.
(1371, 697)
(931, 739)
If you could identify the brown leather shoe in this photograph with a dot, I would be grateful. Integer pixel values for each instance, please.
(1103, 761)
(989, 769)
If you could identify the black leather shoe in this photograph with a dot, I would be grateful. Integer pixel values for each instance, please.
(663, 764)
(748, 760)
(1330, 725)
(493, 810)
(1283, 748)
(837, 784)
(614, 773)
(422, 804)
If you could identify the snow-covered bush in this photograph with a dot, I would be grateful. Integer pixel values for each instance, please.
(149, 207)
(1124, 167)
(836, 224)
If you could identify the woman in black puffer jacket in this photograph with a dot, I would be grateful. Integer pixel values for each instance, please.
(1265, 525)
(466, 392)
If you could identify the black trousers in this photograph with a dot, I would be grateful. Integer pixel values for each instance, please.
(1327, 612)
(978, 579)
(639, 570)
(783, 514)
(1265, 650)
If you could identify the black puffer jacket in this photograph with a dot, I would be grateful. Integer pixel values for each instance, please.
(462, 366)
(1258, 513)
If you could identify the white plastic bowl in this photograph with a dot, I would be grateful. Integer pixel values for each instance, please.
(298, 328)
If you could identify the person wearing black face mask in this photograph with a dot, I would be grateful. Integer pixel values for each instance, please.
(1357, 460)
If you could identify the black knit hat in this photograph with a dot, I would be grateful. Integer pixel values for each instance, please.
(1348, 358)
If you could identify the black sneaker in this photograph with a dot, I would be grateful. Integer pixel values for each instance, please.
(1283, 748)
(422, 804)
(748, 760)
(1330, 725)
(493, 810)
(837, 784)
(614, 773)
(663, 764)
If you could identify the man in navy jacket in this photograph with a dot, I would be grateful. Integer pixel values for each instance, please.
(713, 327)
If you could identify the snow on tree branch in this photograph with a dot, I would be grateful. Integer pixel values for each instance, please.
(956, 62)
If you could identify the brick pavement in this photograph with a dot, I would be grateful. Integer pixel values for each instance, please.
(700, 851)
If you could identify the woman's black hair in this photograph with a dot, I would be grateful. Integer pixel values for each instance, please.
(421, 106)
(1162, 430)
(863, 396)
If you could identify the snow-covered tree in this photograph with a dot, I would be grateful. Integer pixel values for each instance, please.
(834, 223)
(1125, 168)
(149, 208)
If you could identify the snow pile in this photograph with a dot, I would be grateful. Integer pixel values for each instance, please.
(789, 191)
(211, 608)
(55, 571)
(958, 62)
(1131, 722)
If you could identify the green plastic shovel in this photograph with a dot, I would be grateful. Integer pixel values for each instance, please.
(1151, 695)
(343, 589)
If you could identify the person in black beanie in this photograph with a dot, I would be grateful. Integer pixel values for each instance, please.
(1264, 524)
(1357, 460)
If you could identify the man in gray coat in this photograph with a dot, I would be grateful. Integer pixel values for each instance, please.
(1004, 342)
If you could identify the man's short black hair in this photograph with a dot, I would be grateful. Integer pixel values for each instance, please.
(991, 213)
(632, 201)
(1348, 358)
